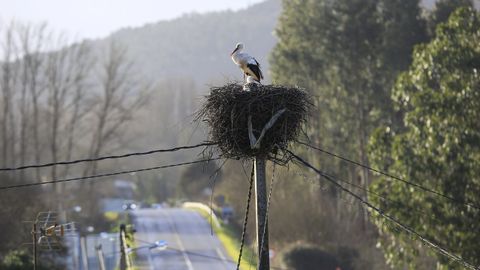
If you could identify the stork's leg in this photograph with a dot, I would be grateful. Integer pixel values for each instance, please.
(244, 77)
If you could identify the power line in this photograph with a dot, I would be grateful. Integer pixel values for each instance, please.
(465, 203)
(214, 176)
(150, 152)
(407, 211)
(105, 174)
(385, 199)
(435, 246)
(245, 219)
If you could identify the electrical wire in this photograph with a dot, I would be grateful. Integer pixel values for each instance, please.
(213, 178)
(385, 199)
(150, 152)
(90, 177)
(400, 225)
(247, 179)
(245, 221)
(391, 176)
(389, 225)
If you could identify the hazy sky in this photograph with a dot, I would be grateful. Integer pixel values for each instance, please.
(98, 18)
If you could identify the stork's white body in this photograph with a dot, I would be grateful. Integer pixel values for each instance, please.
(247, 63)
(251, 79)
(251, 83)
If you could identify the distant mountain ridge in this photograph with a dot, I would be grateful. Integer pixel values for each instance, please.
(198, 46)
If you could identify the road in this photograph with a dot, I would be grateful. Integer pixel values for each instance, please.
(190, 243)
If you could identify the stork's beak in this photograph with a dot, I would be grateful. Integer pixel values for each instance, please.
(236, 49)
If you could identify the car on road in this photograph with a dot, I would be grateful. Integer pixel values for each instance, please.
(129, 206)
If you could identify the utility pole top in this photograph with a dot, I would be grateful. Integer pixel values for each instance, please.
(256, 122)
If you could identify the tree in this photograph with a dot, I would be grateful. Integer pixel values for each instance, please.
(442, 11)
(437, 145)
(19, 205)
(52, 108)
(8, 77)
(198, 177)
(306, 257)
(347, 54)
(17, 260)
(33, 43)
(121, 95)
(20, 260)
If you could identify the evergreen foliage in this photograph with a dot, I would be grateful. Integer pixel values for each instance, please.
(437, 145)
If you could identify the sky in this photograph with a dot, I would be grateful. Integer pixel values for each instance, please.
(98, 18)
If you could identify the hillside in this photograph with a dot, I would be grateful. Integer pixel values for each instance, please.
(187, 54)
(198, 46)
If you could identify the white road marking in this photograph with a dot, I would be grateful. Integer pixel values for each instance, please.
(220, 254)
(222, 257)
(182, 248)
(180, 244)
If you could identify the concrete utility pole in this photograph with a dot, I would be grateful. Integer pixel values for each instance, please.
(261, 211)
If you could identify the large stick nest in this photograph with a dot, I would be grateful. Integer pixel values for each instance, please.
(227, 111)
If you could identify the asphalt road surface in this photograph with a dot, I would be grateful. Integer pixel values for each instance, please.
(190, 245)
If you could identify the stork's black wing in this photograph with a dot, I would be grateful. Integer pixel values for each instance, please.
(259, 69)
(255, 68)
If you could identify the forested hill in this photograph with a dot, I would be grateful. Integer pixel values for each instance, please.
(198, 46)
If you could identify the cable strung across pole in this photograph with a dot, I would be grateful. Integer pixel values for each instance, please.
(436, 247)
(385, 199)
(174, 149)
(465, 203)
(90, 177)
(245, 220)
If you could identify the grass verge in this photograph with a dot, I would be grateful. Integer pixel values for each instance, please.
(231, 242)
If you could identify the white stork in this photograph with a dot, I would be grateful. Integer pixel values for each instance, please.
(247, 63)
